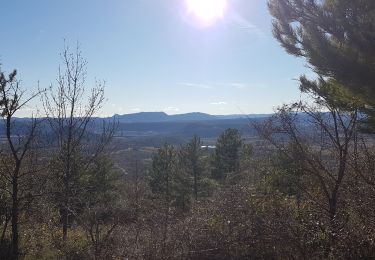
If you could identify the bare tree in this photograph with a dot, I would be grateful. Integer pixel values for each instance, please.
(70, 108)
(319, 139)
(18, 157)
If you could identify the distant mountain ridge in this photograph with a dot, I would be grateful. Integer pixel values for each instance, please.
(152, 117)
(147, 124)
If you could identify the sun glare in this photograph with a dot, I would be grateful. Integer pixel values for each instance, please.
(206, 11)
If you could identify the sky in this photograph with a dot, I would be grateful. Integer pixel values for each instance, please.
(155, 55)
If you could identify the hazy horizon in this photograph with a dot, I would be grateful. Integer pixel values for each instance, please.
(167, 113)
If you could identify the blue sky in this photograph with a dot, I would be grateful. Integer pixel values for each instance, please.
(153, 55)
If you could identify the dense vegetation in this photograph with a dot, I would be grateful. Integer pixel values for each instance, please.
(304, 190)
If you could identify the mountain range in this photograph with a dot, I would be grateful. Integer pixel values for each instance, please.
(152, 117)
(161, 124)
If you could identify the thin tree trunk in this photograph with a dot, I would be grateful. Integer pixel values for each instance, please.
(15, 249)
(6, 222)
(65, 223)
(195, 185)
(166, 220)
(15, 208)
(65, 214)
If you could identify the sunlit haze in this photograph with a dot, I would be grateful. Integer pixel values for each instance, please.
(207, 11)
(176, 56)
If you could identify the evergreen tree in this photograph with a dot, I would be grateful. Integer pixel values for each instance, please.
(101, 210)
(337, 40)
(190, 157)
(227, 154)
(170, 185)
(168, 180)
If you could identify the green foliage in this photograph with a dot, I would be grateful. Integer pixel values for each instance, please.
(337, 39)
(100, 182)
(168, 180)
(287, 174)
(227, 154)
(329, 93)
(190, 158)
(5, 208)
(67, 187)
(6, 84)
(163, 167)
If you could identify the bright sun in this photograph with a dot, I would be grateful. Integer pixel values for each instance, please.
(207, 11)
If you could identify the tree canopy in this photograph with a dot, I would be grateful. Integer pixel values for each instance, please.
(336, 37)
(227, 153)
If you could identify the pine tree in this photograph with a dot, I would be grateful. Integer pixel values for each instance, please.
(169, 185)
(190, 157)
(227, 154)
(168, 180)
(336, 37)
